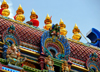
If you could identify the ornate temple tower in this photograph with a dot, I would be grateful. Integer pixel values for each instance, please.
(4, 9)
(19, 14)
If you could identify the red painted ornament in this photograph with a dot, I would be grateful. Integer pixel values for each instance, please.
(1, 10)
(15, 16)
(35, 22)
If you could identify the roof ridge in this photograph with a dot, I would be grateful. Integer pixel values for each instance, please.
(21, 23)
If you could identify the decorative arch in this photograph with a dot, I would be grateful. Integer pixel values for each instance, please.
(10, 35)
(59, 45)
(93, 63)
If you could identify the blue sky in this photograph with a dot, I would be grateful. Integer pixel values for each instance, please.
(85, 13)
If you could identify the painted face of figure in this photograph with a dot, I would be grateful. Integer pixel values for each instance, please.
(6, 12)
(13, 47)
(54, 31)
(58, 33)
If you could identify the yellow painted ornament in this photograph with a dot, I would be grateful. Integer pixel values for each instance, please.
(4, 4)
(6, 12)
(47, 22)
(20, 10)
(33, 12)
(20, 17)
(19, 14)
(33, 15)
(63, 31)
(76, 32)
(47, 26)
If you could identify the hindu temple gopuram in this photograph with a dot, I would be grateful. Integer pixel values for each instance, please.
(24, 47)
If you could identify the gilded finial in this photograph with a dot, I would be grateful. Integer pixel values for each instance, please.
(34, 19)
(4, 9)
(33, 12)
(20, 10)
(47, 17)
(4, 4)
(33, 15)
(61, 21)
(19, 14)
(47, 22)
(61, 24)
(76, 32)
(6, 12)
(75, 27)
(63, 31)
(20, 7)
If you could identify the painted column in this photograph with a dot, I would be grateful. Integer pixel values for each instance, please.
(0, 66)
(41, 62)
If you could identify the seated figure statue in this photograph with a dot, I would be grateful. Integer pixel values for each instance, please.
(49, 63)
(13, 56)
(65, 67)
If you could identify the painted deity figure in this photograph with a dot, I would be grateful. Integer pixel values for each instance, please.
(11, 29)
(55, 31)
(13, 55)
(49, 63)
(65, 67)
(12, 52)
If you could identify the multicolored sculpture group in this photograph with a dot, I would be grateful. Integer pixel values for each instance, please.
(11, 29)
(12, 50)
(13, 56)
(52, 43)
(55, 30)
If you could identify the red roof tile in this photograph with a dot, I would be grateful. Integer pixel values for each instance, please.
(33, 36)
(81, 52)
(26, 34)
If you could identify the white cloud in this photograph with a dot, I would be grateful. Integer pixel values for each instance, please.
(10, 8)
